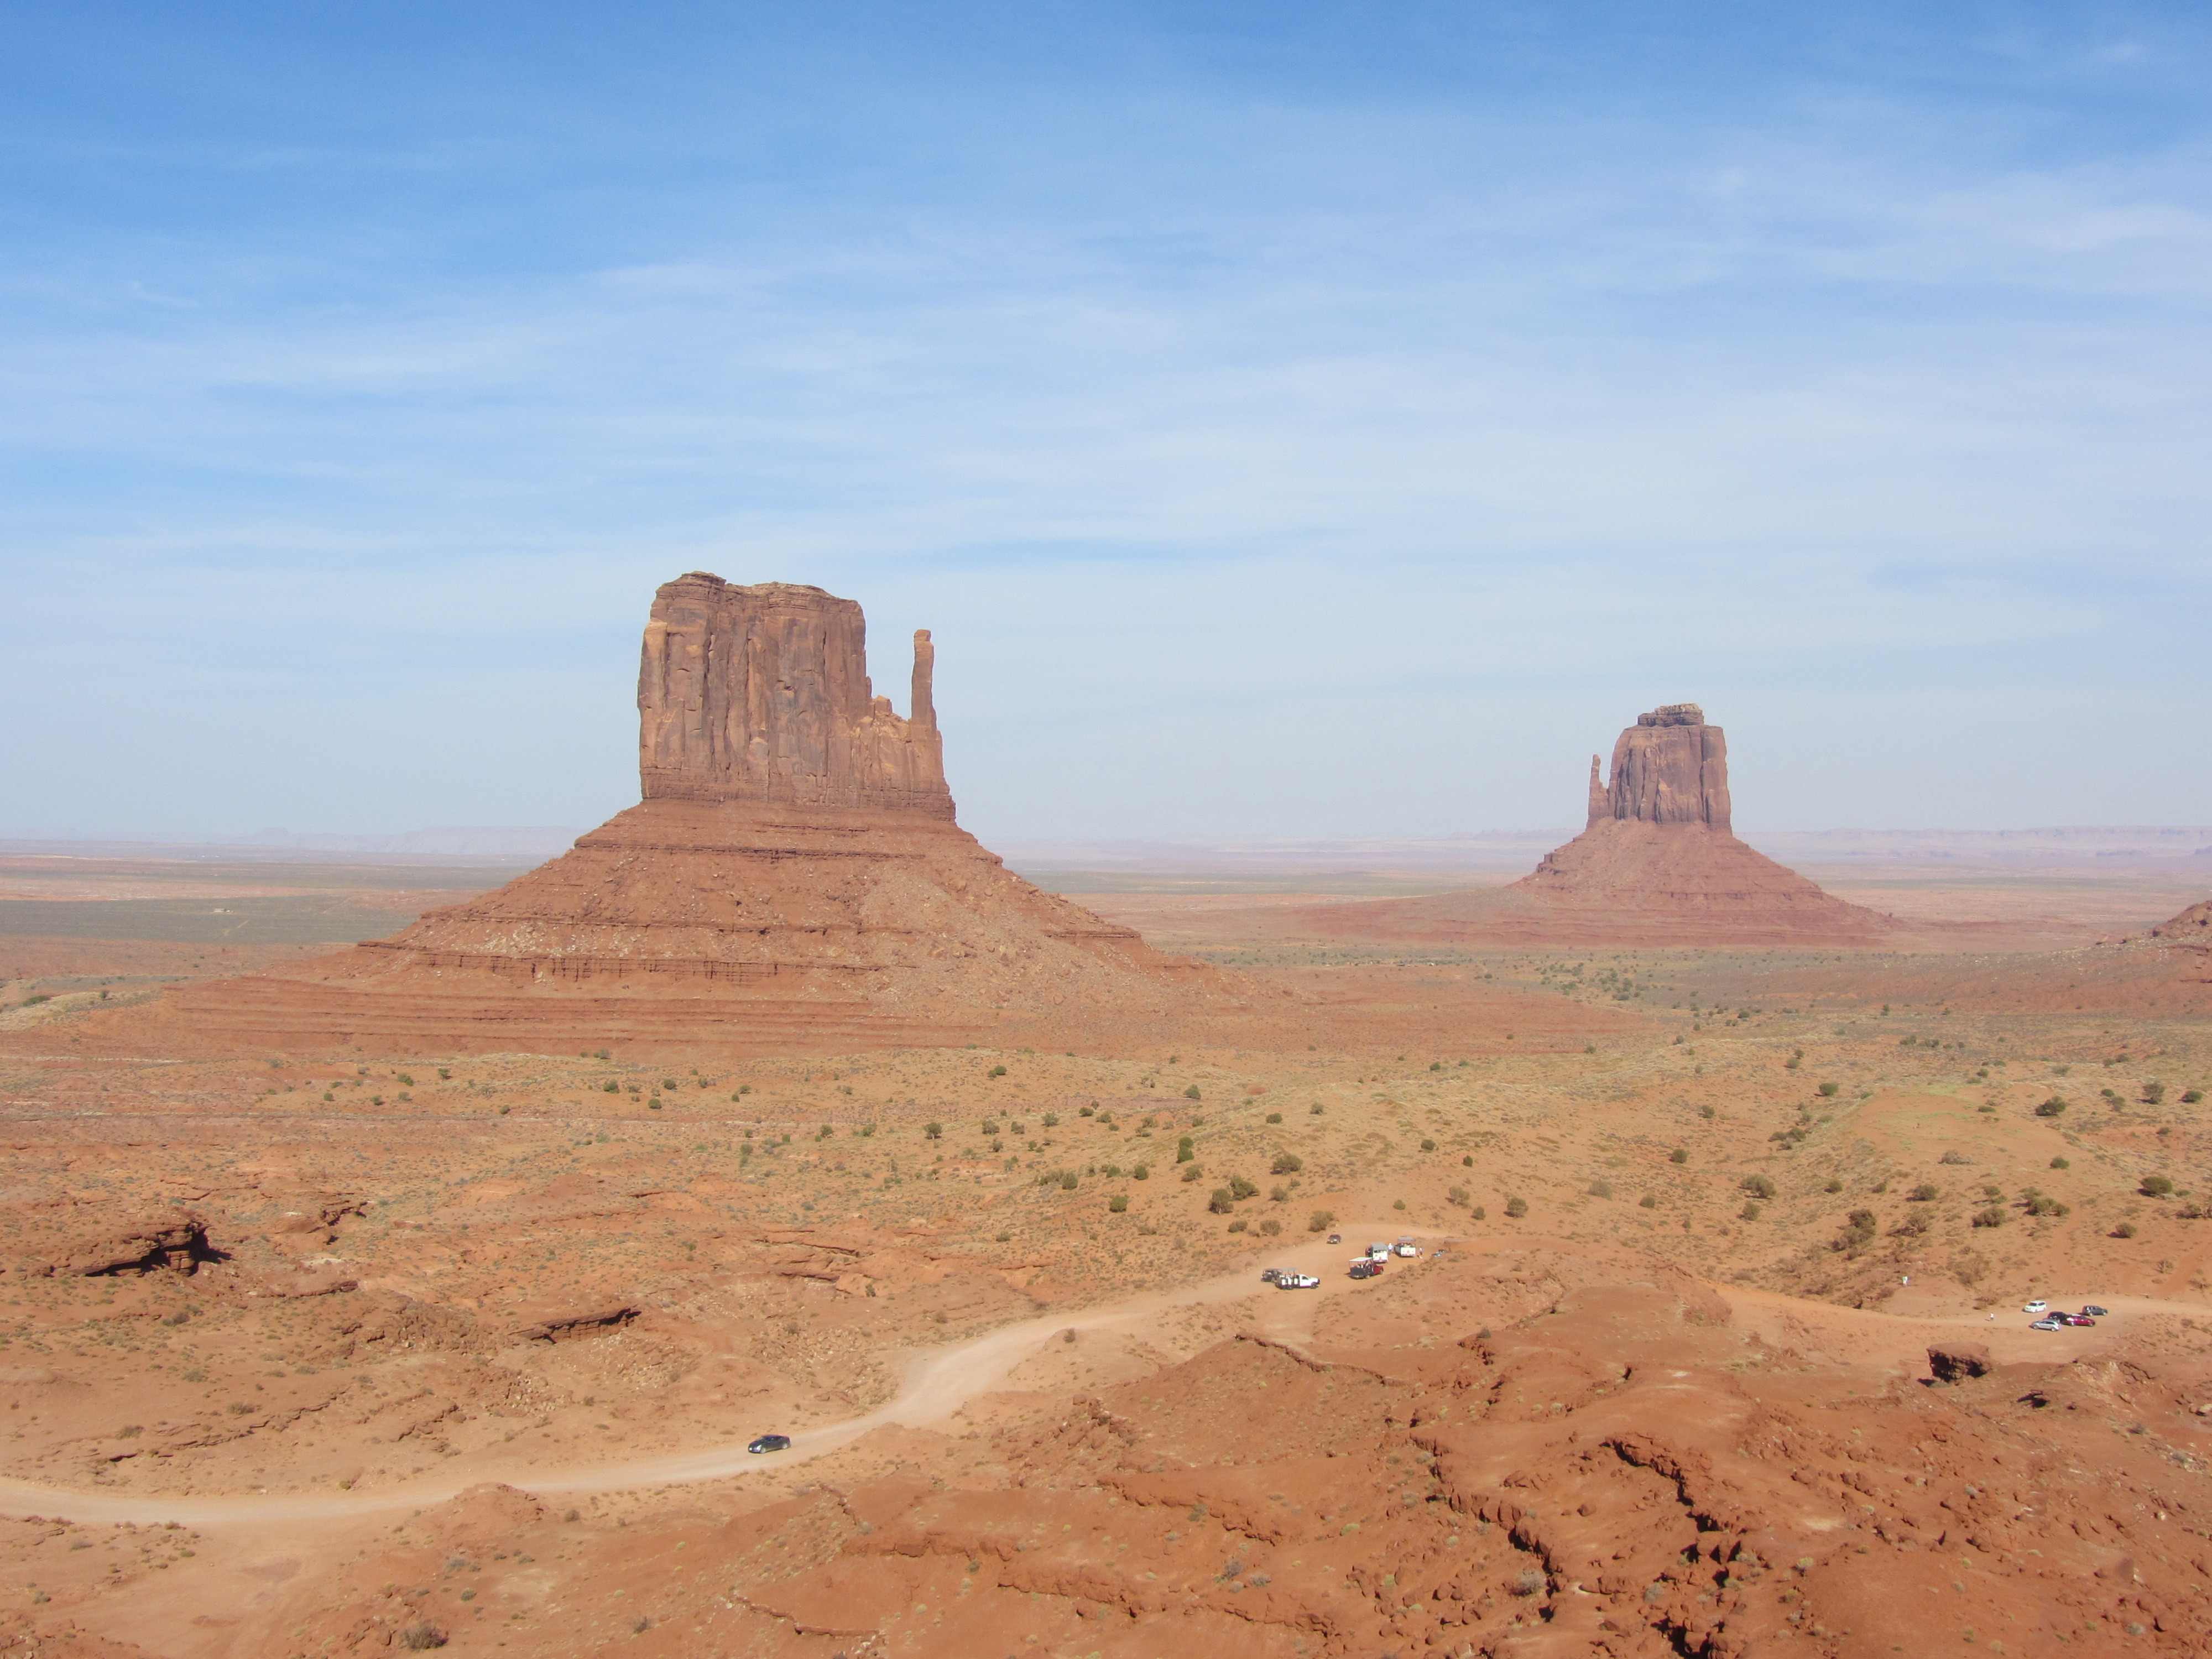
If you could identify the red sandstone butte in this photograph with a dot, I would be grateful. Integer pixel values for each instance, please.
(1658, 865)
(793, 880)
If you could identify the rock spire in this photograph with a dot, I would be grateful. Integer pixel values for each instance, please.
(760, 694)
(1668, 768)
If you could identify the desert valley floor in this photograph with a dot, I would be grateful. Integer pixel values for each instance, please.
(350, 1350)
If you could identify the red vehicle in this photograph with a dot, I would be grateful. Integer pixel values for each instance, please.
(2074, 1319)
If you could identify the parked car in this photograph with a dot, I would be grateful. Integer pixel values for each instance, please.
(1295, 1282)
(1268, 1275)
(1378, 1252)
(2074, 1319)
(2037, 1306)
(1336, 1238)
(768, 1442)
(2090, 1309)
(1406, 1247)
(1363, 1268)
(2045, 1325)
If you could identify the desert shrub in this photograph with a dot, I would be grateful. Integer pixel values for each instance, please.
(2051, 1107)
(1954, 1157)
(1994, 1216)
(2125, 1229)
(1067, 1182)
(1279, 1193)
(1428, 1146)
(1192, 1171)
(1749, 1212)
(1241, 1188)
(1321, 1221)
(1528, 1584)
(1142, 1172)
(1517, 1206)
(2153, 1093)
(1759, 1186)
(611, 1087)
(1286, 1164)
(1834, 1184)
(2156, 1187)
(1222, 1202)
(1649, 1202)
(1829, 1090)
(1456, 1195)
(1274, 1117)
(1478, 1213)
(2061, 1162)
(2042, 1204)
(1680, 1155)
(1926, 1193)
(421, 1638)
(1119, 1204)
(934, 1130)
(1858, 1232)
(1192, 1093)
(1796, 1060)
(2190, 1097)
(1239, 1225)
(2111, 1097)
(1601, 1189)
(1184, 1151)
(1314, 1110)
(1088, 1111)
(1271, 1226)
(1397, 1203)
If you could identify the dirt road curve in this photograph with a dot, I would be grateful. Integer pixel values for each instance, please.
(938, 1384)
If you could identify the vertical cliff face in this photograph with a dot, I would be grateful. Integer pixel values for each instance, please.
(760, 694)
(1668, 768)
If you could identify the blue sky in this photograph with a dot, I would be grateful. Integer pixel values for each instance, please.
(1290, 418)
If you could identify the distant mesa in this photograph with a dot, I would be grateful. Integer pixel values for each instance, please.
(793, 880)
(1658, 865)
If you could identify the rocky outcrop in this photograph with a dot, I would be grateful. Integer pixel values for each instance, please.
(2191, 928)
(792, 881)
(176, 1244)
(762, 695)
(1668, 768)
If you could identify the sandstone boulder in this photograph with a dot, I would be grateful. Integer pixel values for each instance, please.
(175, 1242)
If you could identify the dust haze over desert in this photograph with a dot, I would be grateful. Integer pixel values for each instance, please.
(1101, 1123)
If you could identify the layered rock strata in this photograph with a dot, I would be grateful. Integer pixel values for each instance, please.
(1659, 865)
(793, 880)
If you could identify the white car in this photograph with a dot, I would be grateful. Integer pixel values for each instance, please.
(2037, 1306)
(1295, 1282)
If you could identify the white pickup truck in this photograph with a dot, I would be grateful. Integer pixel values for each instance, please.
(1406, 1247)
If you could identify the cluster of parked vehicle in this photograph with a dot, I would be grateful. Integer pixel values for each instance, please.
(2058, 1322)
(1369, 1264)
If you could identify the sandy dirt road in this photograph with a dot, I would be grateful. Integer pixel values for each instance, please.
(937, 1384)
